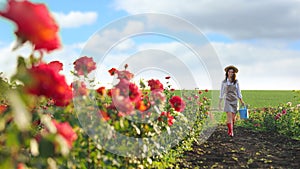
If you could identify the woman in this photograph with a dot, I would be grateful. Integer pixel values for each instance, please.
(231, 90)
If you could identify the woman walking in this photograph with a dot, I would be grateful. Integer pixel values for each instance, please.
(230, 91)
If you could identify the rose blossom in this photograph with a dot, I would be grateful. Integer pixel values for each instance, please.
(21, 166)
(134, 92)
(79, 88)
(103, 115)
(112, 71)
(119, 102)
(46, 81)
(177, 103)
(66, 131)
(143, 104)
(166, 116)
(84, 65)
(155, 85)
(34, 24)
(3, 108)
(158, 96)
(101, 90)
(283, 112)
(124, 75)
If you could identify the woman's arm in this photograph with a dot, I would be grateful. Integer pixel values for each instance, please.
(222, 91)
(239, 93)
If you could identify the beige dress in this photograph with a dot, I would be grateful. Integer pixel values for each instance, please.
(231, 99)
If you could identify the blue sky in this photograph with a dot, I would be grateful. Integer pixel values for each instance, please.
(260, 37)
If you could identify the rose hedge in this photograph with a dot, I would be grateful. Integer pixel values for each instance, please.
(283, 119)
(47, 123)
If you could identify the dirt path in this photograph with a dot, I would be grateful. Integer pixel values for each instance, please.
(247, 149)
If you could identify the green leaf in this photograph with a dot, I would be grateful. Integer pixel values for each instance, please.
(142, 84)
(22, 117)
(46, 148)
(22, 74)
(4, 87)
(12, 140)
(6, 163)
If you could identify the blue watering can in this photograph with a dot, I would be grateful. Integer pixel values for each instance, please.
(244, 114)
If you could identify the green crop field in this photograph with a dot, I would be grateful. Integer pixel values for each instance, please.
(262, 98)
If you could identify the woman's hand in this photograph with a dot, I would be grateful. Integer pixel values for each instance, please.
(242, 102)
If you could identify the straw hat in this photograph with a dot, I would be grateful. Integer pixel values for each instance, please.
(231, 67)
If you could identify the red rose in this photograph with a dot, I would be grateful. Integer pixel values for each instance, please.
(56, 66)
(134, 92)
(177, 103)
(124, 75)
(166, 117)
(35, 24)
(123, 105)
(158, 96)
(104, 115)
(21, 166)
(84, 65)
(155, 85)
(3, 108)
(112, 71)
(143, 104)
(128, 89)
(66, 131)
(101, 90)
(120, 103)
(46, 81)
(79, 88)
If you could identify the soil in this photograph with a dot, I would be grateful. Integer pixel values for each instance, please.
(247, 149)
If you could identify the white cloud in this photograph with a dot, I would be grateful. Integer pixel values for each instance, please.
(157, 60)
(239, 19)
(75, 19)
(259, 60)
(66, 55)
(9, 58)
(115, 36)
(262, 67)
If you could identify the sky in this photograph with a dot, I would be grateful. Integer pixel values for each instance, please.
(191, 41)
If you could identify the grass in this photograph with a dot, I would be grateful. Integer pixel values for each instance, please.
(263, 98)
(260, 99)
(266, 98)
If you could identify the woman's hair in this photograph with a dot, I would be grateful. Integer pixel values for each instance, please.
(233, 77)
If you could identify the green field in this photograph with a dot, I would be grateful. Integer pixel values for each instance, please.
(264, 98)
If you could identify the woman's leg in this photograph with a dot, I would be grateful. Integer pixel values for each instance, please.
(229, 123)
(229, 117)
(233, 118)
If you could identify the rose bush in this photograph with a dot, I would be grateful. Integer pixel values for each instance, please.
(47, 123)
(283, 119)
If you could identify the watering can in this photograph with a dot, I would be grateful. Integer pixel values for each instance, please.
(244, 114)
